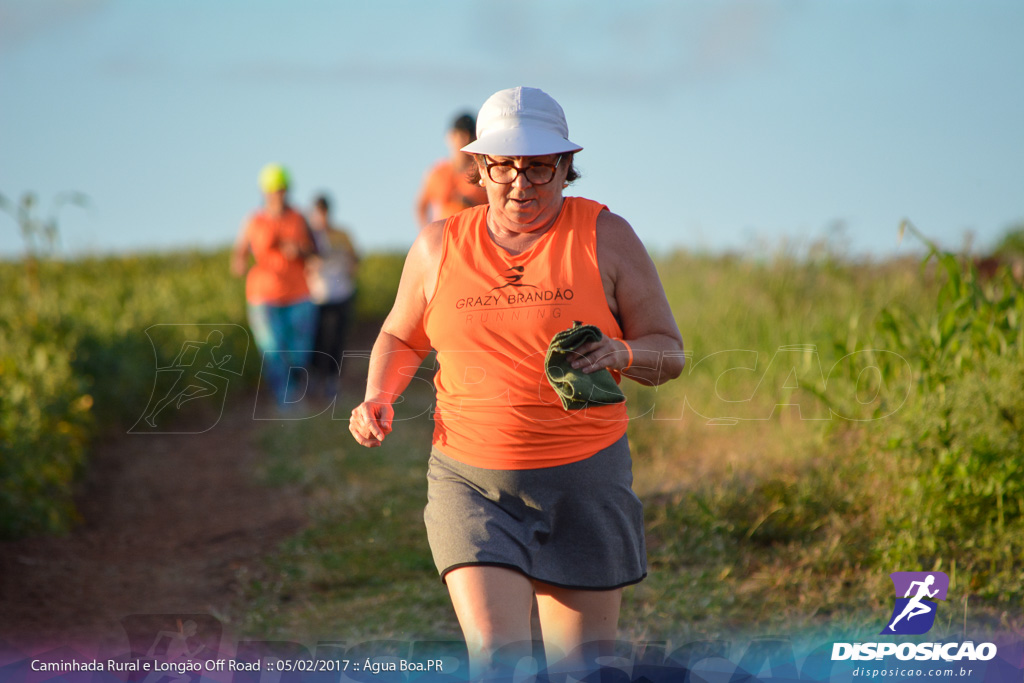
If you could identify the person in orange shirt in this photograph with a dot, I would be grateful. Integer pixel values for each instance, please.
(446, 187)
(281, 315)
(527, 499)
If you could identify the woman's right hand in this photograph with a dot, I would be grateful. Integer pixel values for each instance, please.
(239, 263)
(371, 422)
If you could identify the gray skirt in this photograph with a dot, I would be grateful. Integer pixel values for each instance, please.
(575, 526)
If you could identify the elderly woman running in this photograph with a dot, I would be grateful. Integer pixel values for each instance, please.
(536, 304)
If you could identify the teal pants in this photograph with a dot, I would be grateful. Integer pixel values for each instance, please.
(284, 336)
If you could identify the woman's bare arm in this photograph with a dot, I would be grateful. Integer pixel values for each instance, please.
(636, 296)
(402, 343)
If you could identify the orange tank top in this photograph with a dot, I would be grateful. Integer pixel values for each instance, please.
(490, 320)
(449, 191)
(275, 279)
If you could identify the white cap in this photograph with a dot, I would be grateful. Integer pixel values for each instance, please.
(521, 122)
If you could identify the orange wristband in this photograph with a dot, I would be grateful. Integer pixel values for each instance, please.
(628, 350)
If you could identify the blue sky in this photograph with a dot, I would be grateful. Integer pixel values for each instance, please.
(710, 126)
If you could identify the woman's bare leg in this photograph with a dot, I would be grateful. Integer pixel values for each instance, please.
(577, 625)
(493, 605)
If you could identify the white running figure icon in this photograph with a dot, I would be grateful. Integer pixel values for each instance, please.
(914, 607)
(196, 385)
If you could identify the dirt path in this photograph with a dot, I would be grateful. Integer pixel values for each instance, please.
(170, 524)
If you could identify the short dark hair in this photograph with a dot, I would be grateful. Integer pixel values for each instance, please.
(473, 175)
(465, 123)
(322, 202)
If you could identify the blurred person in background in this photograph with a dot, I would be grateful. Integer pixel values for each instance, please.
(281, 315)
(528, 492)
(447, 188)
(331, 275)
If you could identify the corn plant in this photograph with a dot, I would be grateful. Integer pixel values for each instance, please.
(962, 437)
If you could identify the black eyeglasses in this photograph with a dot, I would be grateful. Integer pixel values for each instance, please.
(505, 172)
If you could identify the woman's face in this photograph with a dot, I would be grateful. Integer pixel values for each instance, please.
(274, 201)
(522, 205)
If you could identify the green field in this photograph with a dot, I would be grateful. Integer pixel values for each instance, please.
(838, 420)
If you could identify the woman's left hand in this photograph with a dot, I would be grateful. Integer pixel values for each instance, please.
(606, 353)
(290, 249)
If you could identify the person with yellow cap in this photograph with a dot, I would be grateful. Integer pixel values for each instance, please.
(281, 315)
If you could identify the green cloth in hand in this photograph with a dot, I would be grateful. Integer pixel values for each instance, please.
(576, 388)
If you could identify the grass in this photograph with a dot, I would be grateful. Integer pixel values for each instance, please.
(759, 520)
(782, 480)
(363, 568)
